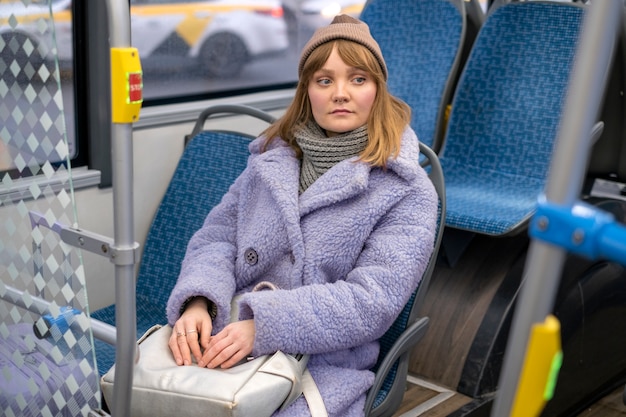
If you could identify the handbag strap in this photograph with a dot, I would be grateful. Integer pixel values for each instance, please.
(312, 395)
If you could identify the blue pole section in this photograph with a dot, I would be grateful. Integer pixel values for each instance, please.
(612, 243)
(545, 260)
(581, 229)
(122, 176)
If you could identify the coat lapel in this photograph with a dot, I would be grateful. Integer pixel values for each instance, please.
(278, 170)
(346, 179)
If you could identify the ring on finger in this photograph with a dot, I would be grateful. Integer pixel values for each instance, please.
(179, 334)
(192, 331)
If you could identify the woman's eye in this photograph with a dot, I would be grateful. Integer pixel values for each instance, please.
(360, 80)
(323, 81)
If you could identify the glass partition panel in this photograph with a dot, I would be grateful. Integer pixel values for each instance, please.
(28, 56)
(47, 364)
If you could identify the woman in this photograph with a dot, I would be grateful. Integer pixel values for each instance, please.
(333, 214)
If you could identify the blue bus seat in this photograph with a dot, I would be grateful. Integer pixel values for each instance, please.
(422, 42)
(210, 163)
(505, 115)
(391, 369)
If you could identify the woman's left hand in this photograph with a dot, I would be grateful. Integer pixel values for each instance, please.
(229, 346)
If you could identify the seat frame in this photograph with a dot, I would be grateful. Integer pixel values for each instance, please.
(392, 368)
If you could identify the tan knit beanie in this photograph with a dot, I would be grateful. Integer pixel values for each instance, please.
(343, 27)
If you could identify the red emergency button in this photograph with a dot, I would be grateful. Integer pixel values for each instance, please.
(135, 87)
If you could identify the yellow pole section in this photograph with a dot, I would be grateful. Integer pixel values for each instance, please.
(540, 370)
(126, 85)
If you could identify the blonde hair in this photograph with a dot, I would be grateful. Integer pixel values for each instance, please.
(388, 117)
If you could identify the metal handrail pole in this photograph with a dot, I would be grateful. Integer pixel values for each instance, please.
(544, 263)
(122, 179)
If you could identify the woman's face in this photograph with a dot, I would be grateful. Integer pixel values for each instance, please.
(341, 96)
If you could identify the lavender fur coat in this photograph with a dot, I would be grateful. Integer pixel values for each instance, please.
(346, 255)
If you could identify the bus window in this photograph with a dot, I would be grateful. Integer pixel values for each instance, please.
(189, 49)
(223, 47)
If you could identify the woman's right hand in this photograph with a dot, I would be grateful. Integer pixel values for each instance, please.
(191, 332)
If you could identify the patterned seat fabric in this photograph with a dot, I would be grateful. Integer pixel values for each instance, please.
(421, 42)
(505, 115)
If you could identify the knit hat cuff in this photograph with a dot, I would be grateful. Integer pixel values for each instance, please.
(356, 32)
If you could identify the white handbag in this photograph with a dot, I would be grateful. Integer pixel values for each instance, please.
(255, 388)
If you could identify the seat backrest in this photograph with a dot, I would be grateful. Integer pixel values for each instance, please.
(506, 112)
(210, 163)
(391, 368)
(422, 43)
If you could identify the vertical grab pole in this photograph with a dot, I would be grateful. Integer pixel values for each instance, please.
(544, 263)
(126, 94)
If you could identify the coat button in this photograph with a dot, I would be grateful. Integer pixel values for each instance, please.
(251, 256)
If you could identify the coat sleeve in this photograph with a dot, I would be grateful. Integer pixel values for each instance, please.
(356, 310)
(208, 266)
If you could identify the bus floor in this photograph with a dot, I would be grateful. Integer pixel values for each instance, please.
(425, 399)
(470, 297)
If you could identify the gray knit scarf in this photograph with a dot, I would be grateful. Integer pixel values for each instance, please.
(320, 153)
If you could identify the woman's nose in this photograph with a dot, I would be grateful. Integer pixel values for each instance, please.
(340, 94)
